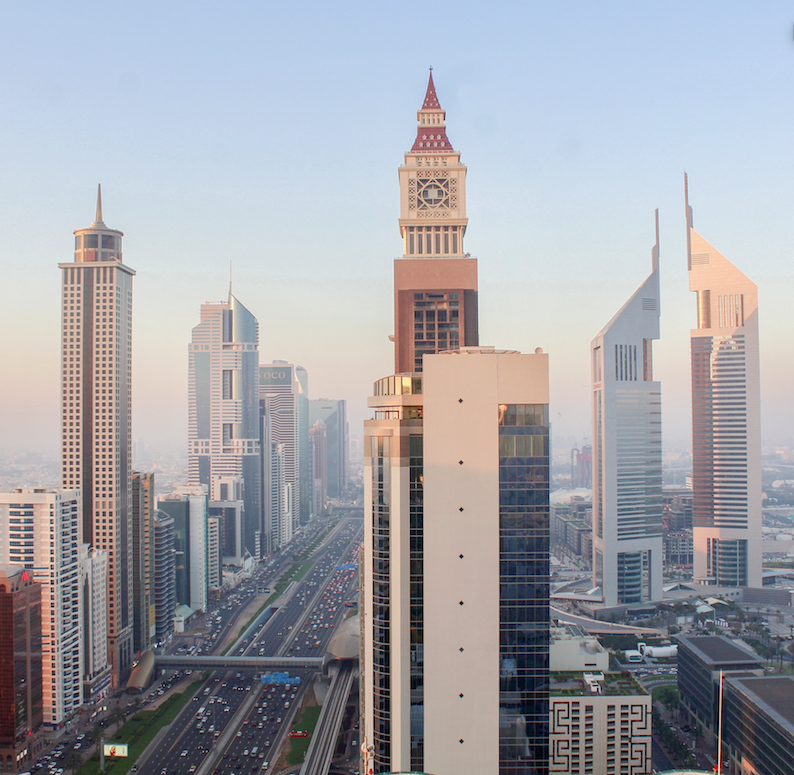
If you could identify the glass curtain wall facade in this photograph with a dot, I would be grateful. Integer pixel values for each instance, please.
(392, 595)
(524, 588)
(223, 415)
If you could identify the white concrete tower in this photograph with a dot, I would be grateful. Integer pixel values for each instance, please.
(627, 450)
(726, 418)
(96, 411)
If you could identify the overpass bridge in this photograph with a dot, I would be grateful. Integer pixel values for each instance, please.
(208, 662)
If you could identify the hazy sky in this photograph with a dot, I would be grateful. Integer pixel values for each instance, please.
(269, 134)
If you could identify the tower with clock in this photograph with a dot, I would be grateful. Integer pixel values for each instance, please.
(435, 280)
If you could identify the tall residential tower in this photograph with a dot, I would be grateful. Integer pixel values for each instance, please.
(627, 450)
(726, 419)
(96, 381)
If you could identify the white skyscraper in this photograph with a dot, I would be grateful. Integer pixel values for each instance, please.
(94, 565)
(41, 530)
(223, 410)
(628, 548)
(96, 411)
(726, 419)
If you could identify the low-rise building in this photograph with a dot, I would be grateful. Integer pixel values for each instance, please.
(599, 723)
(758, 724)
(701, 659)
(572, 650)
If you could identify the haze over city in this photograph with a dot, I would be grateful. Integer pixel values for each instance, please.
(268, 137)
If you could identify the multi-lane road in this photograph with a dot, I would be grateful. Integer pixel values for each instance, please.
(236, 723)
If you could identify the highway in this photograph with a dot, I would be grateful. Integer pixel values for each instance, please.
(236, 723)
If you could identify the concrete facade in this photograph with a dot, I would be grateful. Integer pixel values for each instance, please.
(628, 550)
(726, 419)
(41, 531)
(96, 413)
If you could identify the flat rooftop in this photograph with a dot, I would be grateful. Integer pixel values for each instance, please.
(717, 649)
(774, 695)
(571, 683)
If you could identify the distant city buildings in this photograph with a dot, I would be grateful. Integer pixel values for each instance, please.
(582, 467)
(627, 450)
(280, 407)
(318, 444)
(726, 419)
(333, 415)
(96, 413)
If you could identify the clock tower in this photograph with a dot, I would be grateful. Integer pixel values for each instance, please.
(435, 281)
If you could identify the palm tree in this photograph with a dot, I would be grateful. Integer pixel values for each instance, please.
(94, 735)
(118, 716)
(72, 760)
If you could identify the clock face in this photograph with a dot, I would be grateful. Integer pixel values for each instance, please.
(432, 193)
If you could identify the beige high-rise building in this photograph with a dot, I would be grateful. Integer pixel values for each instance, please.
(726, 419)
(96, 377)
(435, 281)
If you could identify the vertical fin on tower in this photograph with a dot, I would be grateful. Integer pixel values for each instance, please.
(689, 227)
(655, 249)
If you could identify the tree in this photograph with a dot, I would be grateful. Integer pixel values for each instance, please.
(72, 760)
(94, 735)
(118, 716)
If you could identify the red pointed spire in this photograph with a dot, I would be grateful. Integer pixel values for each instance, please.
(431, 135)
(431, 100)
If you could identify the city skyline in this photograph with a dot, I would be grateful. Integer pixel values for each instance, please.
(595, 115)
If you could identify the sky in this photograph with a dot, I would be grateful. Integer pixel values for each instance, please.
(268, 135)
